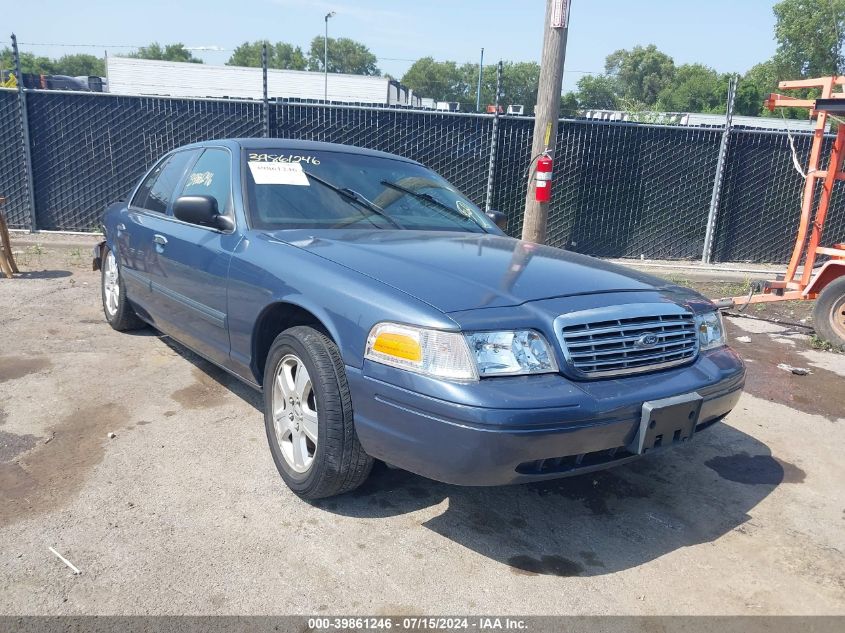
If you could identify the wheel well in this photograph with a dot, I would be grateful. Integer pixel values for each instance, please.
(273, 321)
(832, 271)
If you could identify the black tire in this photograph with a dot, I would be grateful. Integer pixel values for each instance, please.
(122, 317)
(339, 463)
(829, 313)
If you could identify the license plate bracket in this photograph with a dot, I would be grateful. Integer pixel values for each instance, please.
(666, 422)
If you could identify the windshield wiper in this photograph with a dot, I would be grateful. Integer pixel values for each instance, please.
(427, 197)
(356, 197)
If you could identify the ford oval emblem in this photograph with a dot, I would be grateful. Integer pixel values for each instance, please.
(647, 340)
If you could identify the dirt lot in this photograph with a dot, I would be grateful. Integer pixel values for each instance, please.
(183, 511)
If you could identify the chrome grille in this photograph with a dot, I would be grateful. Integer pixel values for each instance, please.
(627, 339)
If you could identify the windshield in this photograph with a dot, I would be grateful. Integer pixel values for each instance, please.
(293, 190)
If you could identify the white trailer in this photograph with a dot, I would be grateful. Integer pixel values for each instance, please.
(131, 76)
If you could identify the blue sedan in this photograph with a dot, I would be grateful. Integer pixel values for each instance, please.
(384, 316)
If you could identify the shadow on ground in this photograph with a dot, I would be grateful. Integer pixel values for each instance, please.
(43, 274)
(222, 377)
(589, 525)
(597, 523)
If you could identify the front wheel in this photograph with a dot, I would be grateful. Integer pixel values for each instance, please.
(308, 416)
(829, 313)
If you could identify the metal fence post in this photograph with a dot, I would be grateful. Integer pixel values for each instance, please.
(30, 187)
(710, 232)
(491, 170)
(266, 110)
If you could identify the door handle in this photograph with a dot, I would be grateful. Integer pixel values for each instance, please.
(159, 239)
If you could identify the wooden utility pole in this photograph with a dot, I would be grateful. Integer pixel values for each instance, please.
(548, 110)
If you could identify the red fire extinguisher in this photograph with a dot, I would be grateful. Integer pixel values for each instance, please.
(543, 178)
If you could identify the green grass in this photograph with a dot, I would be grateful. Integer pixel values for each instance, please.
(822, 345)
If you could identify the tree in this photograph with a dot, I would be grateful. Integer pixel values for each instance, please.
(694, 88)
(345, 56)
(442, 81)
(640, 73)
(80, 64)
(597, 92)
(446, 81)
(29, 63)
(519, 84)
(568, 105)
(810, 36)
(168, 53)
(279, 55)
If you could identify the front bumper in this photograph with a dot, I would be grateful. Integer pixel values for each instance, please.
(513, 430)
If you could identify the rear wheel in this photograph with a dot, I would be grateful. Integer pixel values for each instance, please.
(118, 311)
(308, 416)
(829, 313)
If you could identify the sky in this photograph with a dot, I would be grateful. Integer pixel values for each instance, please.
(728, 35)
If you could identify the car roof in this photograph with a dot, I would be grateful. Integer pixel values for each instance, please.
(295, 145)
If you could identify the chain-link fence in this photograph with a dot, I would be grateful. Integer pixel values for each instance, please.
(13, 183)
(457, 146)
(761, 197)
(620, 189)
(88, 149)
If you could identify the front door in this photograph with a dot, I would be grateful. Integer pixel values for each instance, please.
(136, 230)
(195, 262)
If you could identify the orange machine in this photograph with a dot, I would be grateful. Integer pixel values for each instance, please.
(826, 283)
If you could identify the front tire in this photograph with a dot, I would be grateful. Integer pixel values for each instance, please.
(829, 313)
(308, 416)
(116, 307)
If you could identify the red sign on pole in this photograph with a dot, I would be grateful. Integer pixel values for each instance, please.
(560, 13)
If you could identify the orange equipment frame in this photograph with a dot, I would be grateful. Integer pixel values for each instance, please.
(809, 284)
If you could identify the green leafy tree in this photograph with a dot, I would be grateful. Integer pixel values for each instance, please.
(446, 81)
(279, 55)
(597, 92)
(640, 73)
(442, 81)
(694, 88)
(569, 106)
(520, 81)
(168, 53)
(80, 64)
(345, 56)
(810, 36)
(29, 63)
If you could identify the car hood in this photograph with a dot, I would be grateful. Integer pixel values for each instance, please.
(462, 271)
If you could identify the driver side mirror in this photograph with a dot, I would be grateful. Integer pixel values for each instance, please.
(201, 210)
(499, 218)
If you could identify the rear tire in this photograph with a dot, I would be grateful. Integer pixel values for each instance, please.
(119, 312)
(829, 313)
(308, 416)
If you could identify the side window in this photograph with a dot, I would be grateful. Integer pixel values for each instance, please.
(211, 176)
(157, 189)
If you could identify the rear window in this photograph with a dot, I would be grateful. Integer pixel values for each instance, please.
(281, 193)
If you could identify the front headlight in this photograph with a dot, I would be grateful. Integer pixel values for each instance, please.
(711, 330)
(511, 353)
(457, 356)
(431, 352)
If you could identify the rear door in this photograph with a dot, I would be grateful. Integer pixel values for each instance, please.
(194, 261)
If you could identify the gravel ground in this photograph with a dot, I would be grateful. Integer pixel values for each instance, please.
(182, 511)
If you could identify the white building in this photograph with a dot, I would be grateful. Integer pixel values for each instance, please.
(131, 76)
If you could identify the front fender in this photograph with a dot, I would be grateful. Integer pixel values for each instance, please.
(264, 272)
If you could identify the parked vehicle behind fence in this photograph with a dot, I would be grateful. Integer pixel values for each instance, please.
(384, 316)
